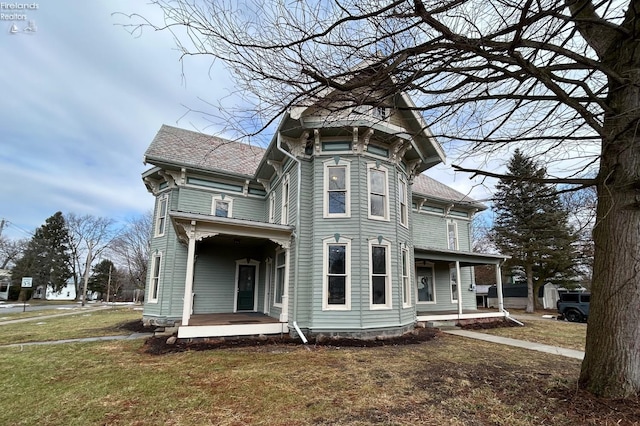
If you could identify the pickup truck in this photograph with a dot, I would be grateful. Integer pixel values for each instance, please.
(574, 306)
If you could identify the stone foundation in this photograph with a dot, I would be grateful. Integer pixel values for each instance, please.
(372, 334)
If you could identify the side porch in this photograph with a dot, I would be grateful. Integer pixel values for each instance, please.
(445, 285)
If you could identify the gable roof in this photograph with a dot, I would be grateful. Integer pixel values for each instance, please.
(186, 148)
(434, 190)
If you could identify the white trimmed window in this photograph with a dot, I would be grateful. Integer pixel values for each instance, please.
(425, 284)
(272, 207)
(406, 283)
(281, 267)
(336, 289)
(221, 206)
(284, 213)
(378, 187)
(161, 216)
(380, 280)
(337, 201)
(402, 201)
(452, 235)
(154, 282)
(453, 277)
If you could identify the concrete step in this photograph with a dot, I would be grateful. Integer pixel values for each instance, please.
(443, 325)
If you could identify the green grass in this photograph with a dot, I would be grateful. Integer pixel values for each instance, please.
(86, 323)
(449, 381)
(549, 332)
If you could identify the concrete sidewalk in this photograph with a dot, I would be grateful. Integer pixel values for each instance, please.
(86, 339)
(518, 343)
(62, 314)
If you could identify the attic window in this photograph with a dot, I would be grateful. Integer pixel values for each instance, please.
(432, 209)
(336, 146)
(458, 213)
(214, 184)
(376, 150)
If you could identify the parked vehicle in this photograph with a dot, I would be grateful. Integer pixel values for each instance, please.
(574, 306)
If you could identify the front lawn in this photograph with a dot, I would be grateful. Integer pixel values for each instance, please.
(548, 332)
(87, 323)
(447, 381)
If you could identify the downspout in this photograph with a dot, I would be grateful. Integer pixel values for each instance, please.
(295, 235)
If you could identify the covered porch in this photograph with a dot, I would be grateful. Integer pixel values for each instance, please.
(443, 271)
(231, 270)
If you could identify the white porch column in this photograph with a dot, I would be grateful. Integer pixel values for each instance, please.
(188, 281)
(459, 287)
(499, 288)
(284, 313)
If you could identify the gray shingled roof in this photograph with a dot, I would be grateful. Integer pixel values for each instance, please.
(431, 188)
(193, 149)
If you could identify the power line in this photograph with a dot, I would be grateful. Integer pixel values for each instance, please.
(5, 223)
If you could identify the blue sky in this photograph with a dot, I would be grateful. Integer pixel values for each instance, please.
(81, 101)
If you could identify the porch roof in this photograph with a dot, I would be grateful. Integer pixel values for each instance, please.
(465, 258)
(199, 226)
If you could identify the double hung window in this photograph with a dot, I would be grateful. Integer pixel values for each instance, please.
(337, 270)
(336, 189)
(379, 267)
(378, 193)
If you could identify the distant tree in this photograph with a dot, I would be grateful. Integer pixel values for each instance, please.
(89, 236)
(482, 243)
(100, 277)
(46, 258)
(106, 279)
(11, 250)
(131, 249)
(581, 206)
(531, 225)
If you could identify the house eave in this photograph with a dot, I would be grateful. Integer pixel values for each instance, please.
(199, 226)
(167, 164)
(464, 257)
(445, 201)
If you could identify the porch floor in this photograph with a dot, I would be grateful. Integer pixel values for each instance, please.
(231, 319)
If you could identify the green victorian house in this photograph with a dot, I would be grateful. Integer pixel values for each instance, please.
(333, 229)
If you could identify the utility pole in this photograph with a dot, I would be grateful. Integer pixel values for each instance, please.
(86, 276)
(2, 223)
(109, 284)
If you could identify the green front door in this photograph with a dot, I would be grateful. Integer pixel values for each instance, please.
(246, 287)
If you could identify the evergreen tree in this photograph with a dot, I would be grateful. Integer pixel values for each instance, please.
(531, 225)
(99, 279)
(46, 258)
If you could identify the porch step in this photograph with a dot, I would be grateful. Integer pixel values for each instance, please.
(442, 325)
(165, 331)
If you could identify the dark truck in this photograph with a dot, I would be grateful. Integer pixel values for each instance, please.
(574, 306)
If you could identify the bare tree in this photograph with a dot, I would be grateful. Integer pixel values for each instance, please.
(481, 243)
(89, 236)
(11, 250)
(581, 206)
(560, 79)
(132, 246)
